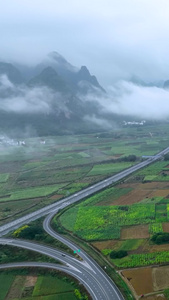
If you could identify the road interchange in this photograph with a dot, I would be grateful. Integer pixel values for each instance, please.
(96, 281)
(99, 285)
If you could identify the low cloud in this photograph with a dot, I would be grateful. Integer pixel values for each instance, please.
(143, 102)
(124, 99)
(98, 121)
(128, 99)
(5, 83)
(23, 99)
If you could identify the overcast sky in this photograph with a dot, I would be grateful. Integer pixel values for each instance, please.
(113, 38)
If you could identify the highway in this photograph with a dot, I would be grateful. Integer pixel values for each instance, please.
(78, 196)
(83, 279)
(97, 283)
(87, 271)
(103, 278)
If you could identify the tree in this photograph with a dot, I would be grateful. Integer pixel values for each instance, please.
(17, 233)
(118, 254)
(28, 232)
(77, 294)
(160, 238)
(166, 156)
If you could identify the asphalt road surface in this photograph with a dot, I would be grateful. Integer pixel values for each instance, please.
(96, 281)
(83, 279)
(78, 196)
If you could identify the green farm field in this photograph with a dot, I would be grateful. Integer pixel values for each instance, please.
(42, 173)
(121, 217)
(126, 216)
(24, 285)
(6, 282)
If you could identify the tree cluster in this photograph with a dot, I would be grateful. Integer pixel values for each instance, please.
(166, 156)
(79, 295)
(160, 238)
(118, 254)
(130, 158)
(28, 232)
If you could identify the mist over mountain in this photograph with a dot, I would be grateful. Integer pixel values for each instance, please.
(48, 97)
(55, 97)
(77, 79)
(13, 74)
(49, 78)
(166, 84)
(140, 82)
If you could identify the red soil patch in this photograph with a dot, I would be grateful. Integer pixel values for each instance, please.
(141, 191)
(148, 280)
(110, 244)
(140, 279)
(132, 197)
(56, 197)
(135, 232)
(160, 193)
(166, 227)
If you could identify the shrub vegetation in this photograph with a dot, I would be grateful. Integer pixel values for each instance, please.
(160, 238)
(118, 254)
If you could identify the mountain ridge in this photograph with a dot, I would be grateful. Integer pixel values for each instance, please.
(57, 88)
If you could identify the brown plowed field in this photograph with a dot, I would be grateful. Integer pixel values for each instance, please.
(140, 279)
(160, 193)
(160, 278)
(148, 280)
(132, 197)
(166, 227)
(135, 232)
(105, 244)
(141, 191)
(154, 248)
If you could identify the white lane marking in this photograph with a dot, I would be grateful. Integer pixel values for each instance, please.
(72, 267)
(88, 266)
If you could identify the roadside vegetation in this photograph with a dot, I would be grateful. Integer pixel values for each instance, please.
(44, 284)
(10, 254)
(35, 232)
(37, 174)
(122, 219)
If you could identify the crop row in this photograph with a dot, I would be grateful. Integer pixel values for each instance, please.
(33, 192)
(137, 260)
(155, 228)
(94, 217)
(4, 177)
(104, 222)
(110, 194)
(107, 233)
